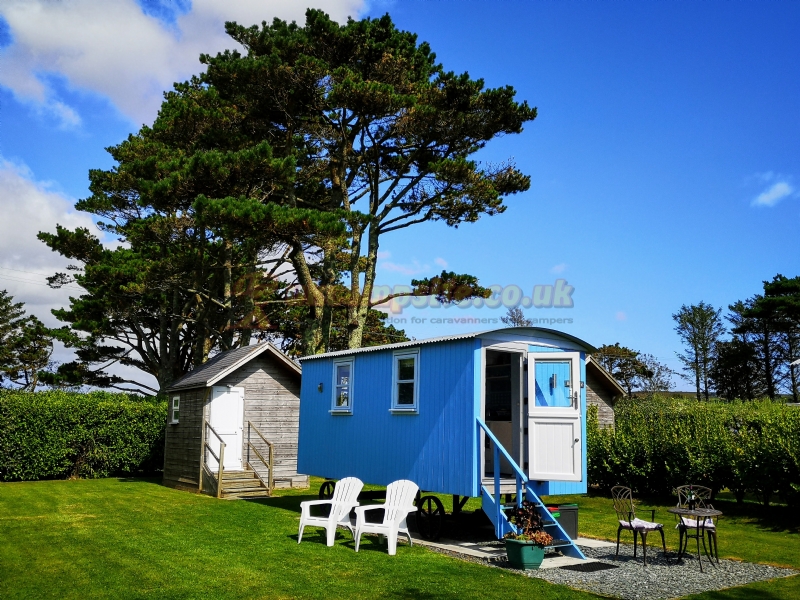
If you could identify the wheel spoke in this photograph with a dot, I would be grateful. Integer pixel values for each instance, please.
(430, 517)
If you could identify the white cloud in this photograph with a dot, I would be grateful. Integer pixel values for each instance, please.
(25, 262)
(767, 176)
(441, 262)
(774, 194)
(559, 268)
(29, 207)
(115, 50)
(415, 268)
(66, 116)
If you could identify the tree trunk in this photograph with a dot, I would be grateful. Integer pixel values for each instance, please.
(312, 342)
(697, 376)
(792, 348)
(768, 378)
(361, 310)
(227, 336)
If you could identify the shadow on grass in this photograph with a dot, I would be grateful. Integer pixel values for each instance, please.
(153, 480)
(288, 503)
(776, 518)
(778, 590)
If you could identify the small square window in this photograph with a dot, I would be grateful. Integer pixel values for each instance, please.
(342, 386)
(174, 409)
(405, 381)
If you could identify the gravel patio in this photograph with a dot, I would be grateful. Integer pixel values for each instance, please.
(626, 577)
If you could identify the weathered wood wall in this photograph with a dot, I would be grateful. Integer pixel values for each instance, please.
(598, 395)
(183, 441)
(272, 404)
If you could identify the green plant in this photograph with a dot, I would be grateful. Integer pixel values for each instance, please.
(530, 527)
(660, 443)
(56, 434)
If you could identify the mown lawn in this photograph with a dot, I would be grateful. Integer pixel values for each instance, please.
(133, 538)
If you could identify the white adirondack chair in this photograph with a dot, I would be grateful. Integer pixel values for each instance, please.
(399, 502)
(345, 498)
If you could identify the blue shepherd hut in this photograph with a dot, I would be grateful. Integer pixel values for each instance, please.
(472, 415)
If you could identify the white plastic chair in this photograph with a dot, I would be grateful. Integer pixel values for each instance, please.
(345, 498)
(400, 497)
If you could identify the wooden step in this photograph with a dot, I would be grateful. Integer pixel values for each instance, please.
(241, 485)
(241, 495)
(243, 489)
(232, 475)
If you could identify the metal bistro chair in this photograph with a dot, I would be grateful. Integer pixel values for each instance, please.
(626, 515)
(702, 495)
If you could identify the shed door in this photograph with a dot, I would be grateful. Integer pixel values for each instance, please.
(554, 416)
(226, 416)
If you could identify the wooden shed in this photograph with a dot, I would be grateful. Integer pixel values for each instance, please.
(241, 408)
(602, 391)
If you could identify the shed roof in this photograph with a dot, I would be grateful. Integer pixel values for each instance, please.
(606, 378)
(459, 336)
(225, 363)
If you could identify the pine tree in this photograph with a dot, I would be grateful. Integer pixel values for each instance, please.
(700, 328)
(276, 170)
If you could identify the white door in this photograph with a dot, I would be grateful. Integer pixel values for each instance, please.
(226, 416)
(554, 416)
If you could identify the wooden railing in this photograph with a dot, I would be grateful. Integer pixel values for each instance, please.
(220, 458)
(267, 463)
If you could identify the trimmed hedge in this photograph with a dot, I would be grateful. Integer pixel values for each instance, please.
(53, 435)
(660, 443)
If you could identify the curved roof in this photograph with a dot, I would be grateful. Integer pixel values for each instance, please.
(521, 331)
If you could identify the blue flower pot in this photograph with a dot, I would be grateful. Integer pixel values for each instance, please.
(524, 555)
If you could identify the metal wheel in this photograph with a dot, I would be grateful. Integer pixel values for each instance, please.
(430, 517)
(326, 490)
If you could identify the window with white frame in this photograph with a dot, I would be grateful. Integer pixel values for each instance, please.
(405, 392)
(174, 409)
(342, 386)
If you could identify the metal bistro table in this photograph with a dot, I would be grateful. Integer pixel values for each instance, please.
(699, 515)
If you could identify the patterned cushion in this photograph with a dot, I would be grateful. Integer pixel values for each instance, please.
(692, 523)
(640, 525)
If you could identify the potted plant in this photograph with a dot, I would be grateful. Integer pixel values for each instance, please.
(525, 549)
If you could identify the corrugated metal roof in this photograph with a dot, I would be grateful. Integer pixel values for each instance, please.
(448, 338)
(226, 362)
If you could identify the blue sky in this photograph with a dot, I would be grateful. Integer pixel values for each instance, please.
(665, 160)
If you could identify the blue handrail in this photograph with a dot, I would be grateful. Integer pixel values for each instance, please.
(519, 476)
(503, 451)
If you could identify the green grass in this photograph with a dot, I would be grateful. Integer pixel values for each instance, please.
(133, 538)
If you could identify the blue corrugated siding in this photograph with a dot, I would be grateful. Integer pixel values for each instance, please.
(435, 448)
(477, 374)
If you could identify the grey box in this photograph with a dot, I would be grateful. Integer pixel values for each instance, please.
(568, 519)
